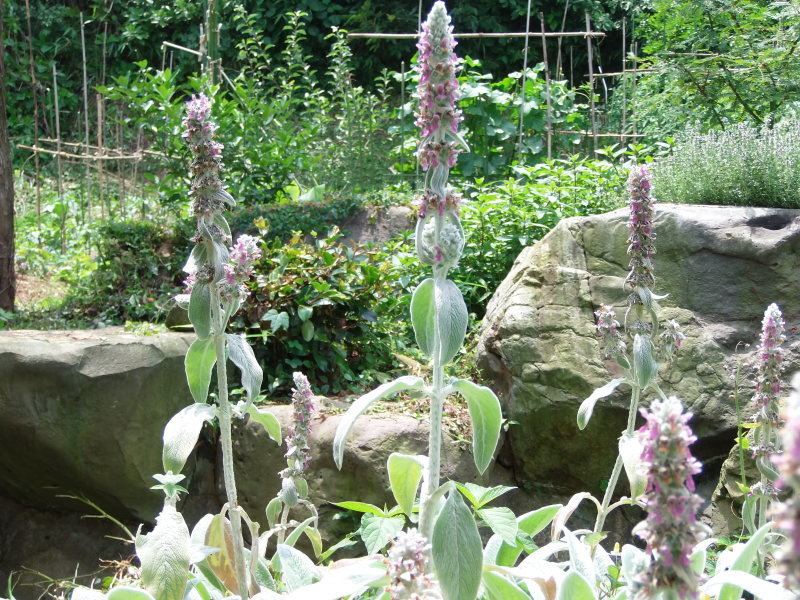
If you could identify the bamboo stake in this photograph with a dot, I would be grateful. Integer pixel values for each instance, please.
(591, 84)
(63, 224)
(559, 67)
(87, 186)
(120, 172)
(35, 124)
(624, 82)
(100, 179)
(402, 117)
(524, 81)
(549, 114)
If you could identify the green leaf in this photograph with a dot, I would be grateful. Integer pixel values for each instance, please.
(341, 582)
(405, 473)
(645, 367)
(181, 432)
(479, 495)
(164, 554)
(200, 310)
(296, 568)
(122, 592)
(457, 550)
(744, 562)
(307, 330)
(241, 354)
(439, 301)
(219, 535)
(738, 580)
(487, 418)
(630, 450)
(580, 558)
(502, 521)
(292, 538)
(587, 406)
(268, 421)
(362, 507)
(575, 587)
(530, 523)
(377, 531)
(274, 510)
(84, 593)
(390, 388)
(304, 313)
(500, 588)
(199, 362)
(749, 513)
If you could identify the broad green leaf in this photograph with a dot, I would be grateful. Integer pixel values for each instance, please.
(362, 507)
(749, 513)
(121, 592)
(307, 330)
(487, 419)
(530, 523)
(390, 388)
(634, 561)
(501, 588)
(587, 406)
(274, 509)
(457, 550)
(268, 421)
(580, 558)
(378, 531)
(479, 495)
(502, 521)
(744, 562)
(405, 473)
(199, 362)
(738, 580)
(200, 310)
(164, 555)
(314, 536)
(630, 449)
(439, 304)
(305, 312)
(341, 582)
(181, 432)
(575, 587)
(645, 367)
(292, 538)
(296, 568)
(241, 354)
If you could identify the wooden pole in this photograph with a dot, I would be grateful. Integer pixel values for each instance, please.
(87, 184)
(559, 66)
(402, 118)
(624, 83)
(99, 164)
(524, 81)
(120, 168)
(8, 278)
(591, 84)
(63, 206)
(458, 36)
(633, 81)
(549, 115)
(34, 87)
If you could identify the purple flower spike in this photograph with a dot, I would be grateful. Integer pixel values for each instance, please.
(788, 513)
(671, 529)
(608, 329)
(208, 192)
(298, 452)
(642, 237)
(437, 115)
(406, 565)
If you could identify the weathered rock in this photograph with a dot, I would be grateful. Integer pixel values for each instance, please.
(721, 266)
(377, 224)
(83, 413)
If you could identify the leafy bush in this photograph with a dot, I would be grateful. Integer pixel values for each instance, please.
(741, 166)
(312, 308)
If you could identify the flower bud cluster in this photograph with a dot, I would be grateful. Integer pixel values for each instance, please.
(671, 528)
(608, 328)
(406, 565)
(437, 91)
(207, 190)
(641, 246)
(241, 258)
(670, 339)
(788, 465)
(429, 201)
(768, 383)
(298, 452)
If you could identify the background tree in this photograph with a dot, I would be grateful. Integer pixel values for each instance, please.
(8, 283)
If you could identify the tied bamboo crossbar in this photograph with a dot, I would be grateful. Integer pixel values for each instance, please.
(522, 34)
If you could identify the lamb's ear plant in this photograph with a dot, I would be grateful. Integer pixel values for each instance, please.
(439, 318)
(639, 348)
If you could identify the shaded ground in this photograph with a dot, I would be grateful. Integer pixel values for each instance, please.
(33, 290)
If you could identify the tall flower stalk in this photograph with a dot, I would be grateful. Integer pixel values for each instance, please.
(671, 529)
(767, 418)
(215, 290)
(788, 513)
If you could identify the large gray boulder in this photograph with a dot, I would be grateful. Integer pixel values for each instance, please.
(83, 413)
(721, 266)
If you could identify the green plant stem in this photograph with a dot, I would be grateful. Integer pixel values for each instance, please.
(615, 473)
(739, 425)
(284, 522)
(224, 416)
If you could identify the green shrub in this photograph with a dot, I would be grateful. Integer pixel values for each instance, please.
(741, 166)
(313, 308)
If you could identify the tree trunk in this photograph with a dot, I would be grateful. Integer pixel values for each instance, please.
(8, 280)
